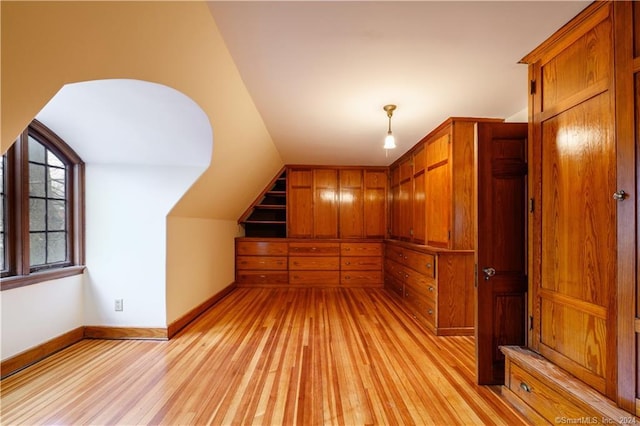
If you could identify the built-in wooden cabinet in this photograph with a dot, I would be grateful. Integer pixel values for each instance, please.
(351, 203)
(261, 262)
(434, 285)
(375, 203)
(337, 202)
(308, 262)
(314, 263)
(300, 196)
(583, 245)
(432, 187)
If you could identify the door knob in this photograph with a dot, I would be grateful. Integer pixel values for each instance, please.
(488, 273)
(619, 195)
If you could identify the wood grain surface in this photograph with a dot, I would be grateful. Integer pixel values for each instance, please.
(266, 356)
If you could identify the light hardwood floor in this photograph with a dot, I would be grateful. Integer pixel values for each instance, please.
(265, 357)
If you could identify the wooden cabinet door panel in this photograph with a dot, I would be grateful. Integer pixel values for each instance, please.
(375, 206)
(395, 211)
(438, 205)
(419, 208)
(300, 203)
(406, 209)
(578, 239)
(325, 211)
(351, 204)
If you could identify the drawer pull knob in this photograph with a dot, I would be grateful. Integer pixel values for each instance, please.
(525, 387)
(430, 288)
(347, 249)
(263, 276)
(430, 311)
(347, 263)
(348, 277)
(428, 265)
(406, 275)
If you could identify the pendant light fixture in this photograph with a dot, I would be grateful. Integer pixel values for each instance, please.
(389, 141)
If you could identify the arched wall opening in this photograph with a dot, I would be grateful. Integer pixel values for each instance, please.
(178, 45)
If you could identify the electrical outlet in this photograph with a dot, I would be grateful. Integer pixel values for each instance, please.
(119, 305)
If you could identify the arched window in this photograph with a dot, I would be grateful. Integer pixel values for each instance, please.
(42, 221)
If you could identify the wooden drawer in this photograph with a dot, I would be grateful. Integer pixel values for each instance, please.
(394, 285)
(261, 262)
(312, 263)
(261, 248)
(421, 262)
(416, 280)
(361, 278)
(262, 277)
(314, 249)
(547, 402)
(422, 308)
(361, 263)
(318, 278)
(394, 253)
(361, 249)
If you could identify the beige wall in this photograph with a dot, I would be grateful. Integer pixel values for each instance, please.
(48, 44)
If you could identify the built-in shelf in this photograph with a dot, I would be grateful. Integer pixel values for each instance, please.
(267, 216)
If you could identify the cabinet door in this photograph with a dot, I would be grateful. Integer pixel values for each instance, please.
(351, 204)
(574, 231)
(419, 207)
(300, 203)
(325, 212)
(438, 193)
(406, 212)
(395, 211)
(375, 194)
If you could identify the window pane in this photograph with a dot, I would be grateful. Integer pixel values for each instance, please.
(36, 180)
(37, 249)
(53, 160)
(37, 215)
(56, 215)
(36, 151)
(56, 247)
(56, 182)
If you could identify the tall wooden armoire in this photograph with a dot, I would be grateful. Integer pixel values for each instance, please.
(583, 157)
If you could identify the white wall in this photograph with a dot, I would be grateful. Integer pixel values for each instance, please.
(200, 261)
(34, 314)
(126, 210)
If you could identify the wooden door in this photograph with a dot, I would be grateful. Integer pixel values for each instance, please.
(627, 51)
(300, 203)
(375, 207)
(325, 211)
(574, 230)
(438, 193)
(351, 204)
(501, 283)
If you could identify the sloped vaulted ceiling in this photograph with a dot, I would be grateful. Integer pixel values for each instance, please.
(320, 71)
